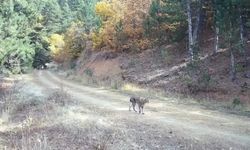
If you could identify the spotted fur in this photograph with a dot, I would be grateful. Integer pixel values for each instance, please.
(140, 101)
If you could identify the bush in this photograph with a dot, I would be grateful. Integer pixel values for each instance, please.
(59, 96)
(75, 41)
(88, 72)
(68, 46)
(236, 103)
(198, 78)
(56, 46)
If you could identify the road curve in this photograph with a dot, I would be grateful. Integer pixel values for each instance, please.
(191, 122)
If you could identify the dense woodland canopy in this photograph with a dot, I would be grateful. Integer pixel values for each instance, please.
(27, 25)
(33, 32)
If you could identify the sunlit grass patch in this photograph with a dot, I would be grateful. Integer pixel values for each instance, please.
(131, 88)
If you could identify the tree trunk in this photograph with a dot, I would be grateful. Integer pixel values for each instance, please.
(242, 39)
(197, 23)
(232, 57)
(216, 27)
(216, 43)
(190, 30)
(233, 69)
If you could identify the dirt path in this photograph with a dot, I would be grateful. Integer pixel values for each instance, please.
(164, 123)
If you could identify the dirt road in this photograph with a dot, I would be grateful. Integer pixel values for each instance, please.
(164, 126)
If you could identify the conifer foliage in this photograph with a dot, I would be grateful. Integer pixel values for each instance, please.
(33, 32)
(26, 26)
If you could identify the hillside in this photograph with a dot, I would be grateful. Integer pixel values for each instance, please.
(158, 49)
(164, 69)
(124, 74)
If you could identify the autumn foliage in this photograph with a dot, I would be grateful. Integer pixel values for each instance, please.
(122, 24)
(136, 25)
(56, 46)
(68, 46)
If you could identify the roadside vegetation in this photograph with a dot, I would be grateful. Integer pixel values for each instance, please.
(35, 118)
(31, 122)
(197, 48)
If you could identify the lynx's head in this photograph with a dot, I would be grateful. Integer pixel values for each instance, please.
(145, 100)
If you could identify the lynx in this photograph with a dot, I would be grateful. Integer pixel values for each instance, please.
(140, 101)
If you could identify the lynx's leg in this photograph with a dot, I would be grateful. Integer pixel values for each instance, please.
(134, 106)
(130, 105)
(133, 103)
(142, 109)
(139, 106)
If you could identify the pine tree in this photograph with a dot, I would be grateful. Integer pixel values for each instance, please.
(166, 21)
(228, 11)
(25, 25)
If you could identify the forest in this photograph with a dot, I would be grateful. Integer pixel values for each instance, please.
(36, 32)
(124, 74)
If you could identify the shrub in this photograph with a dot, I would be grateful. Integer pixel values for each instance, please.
(70, 45)
(75, 40)
(236, 102)
(88, 72)
(56, 46)
(198, 78)
(59, 96)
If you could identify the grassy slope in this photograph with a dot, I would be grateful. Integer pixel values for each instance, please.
(163, 69)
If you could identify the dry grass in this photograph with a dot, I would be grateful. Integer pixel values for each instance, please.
(21, 113)
(33, 123)
(7, 100)
(131, 88)
(55, 122)
(24, 138)
(59, 96)
(103, 145)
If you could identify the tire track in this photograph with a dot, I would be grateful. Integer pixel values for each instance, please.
(227, 129)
